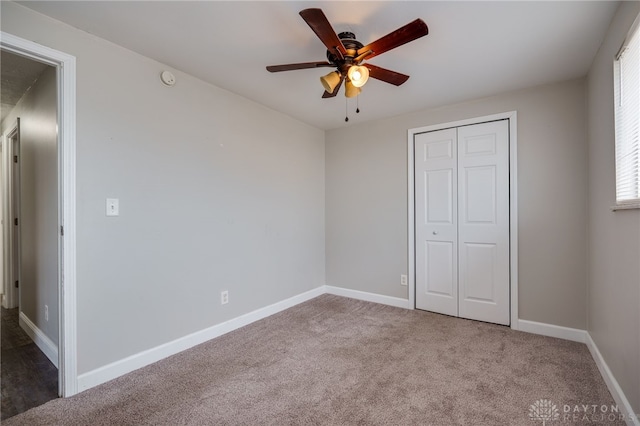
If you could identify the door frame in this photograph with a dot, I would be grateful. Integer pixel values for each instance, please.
(65, 65)
(513, 204)
(11, 232)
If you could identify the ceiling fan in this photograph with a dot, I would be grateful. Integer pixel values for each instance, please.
(347, 54)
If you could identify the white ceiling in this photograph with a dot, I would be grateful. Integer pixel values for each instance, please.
(473, 49)
(17, 75)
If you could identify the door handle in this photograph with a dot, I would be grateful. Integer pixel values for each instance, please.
(435, 232)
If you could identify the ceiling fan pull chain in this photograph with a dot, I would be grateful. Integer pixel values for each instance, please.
(358, 104)
(346, 109)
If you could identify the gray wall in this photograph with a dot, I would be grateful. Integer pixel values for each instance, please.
(216, 193)
(38, 202)
(614, 237)
(366, 200)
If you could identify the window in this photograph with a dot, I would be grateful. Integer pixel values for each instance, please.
(627, 121)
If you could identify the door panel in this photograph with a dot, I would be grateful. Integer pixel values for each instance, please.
(439, 257)
(436, 221)
(483, 227)
(481, 144)
(462, 221)
(481, 269)
(480, 196)
(439, 196)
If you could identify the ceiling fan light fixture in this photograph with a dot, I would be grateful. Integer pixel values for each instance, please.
(358, 75)
(345, 53)
(330, 81)
(350, 90)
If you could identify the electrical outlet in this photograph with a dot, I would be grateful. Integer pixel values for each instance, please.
(46, 312)
(403, 280)
(224, 297)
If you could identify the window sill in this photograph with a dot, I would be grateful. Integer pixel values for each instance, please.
(628, 206)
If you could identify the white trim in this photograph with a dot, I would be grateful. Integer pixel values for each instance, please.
(566, 333)
(634, 27)
(141, 359)
(411, 230)
(41, 340)
(11, 295)
(368, 297)
(512, 116)
(66, 78)
(513, 215)
(616, 391)
(626, 206)
(465, 122)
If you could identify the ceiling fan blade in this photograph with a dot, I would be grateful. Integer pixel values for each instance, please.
(386, 75)
(402, 35)
(335, 91)
(300, 66)
(320, 25)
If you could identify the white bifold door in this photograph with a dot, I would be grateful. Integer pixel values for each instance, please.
(462, 221)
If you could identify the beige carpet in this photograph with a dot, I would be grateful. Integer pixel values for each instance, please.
(337, 361)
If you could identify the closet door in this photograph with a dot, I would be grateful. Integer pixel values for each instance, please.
(483, 221)
(462, 221)
(436, 222)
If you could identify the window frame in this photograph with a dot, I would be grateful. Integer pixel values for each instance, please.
(632, 203)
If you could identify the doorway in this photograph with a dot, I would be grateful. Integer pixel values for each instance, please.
(30, 321)
(463, 218)
(64, 70)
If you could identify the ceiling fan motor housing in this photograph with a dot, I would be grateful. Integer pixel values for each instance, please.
(351, 45)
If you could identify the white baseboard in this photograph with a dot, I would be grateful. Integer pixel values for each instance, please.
(582, 336)
(139, 360)
(368, 297)
(573, 334)
(615, 389)
(41, 340)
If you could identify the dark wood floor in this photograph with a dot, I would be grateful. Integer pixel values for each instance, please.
(28, 378)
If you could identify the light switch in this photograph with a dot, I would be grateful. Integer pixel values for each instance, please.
(113, 207)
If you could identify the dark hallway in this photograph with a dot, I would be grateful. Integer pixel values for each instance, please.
(28, 377)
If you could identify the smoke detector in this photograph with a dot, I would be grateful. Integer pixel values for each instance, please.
(167, 78)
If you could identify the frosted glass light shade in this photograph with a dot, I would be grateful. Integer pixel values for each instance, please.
(358, 75)
(350, 90)
(330, 81)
